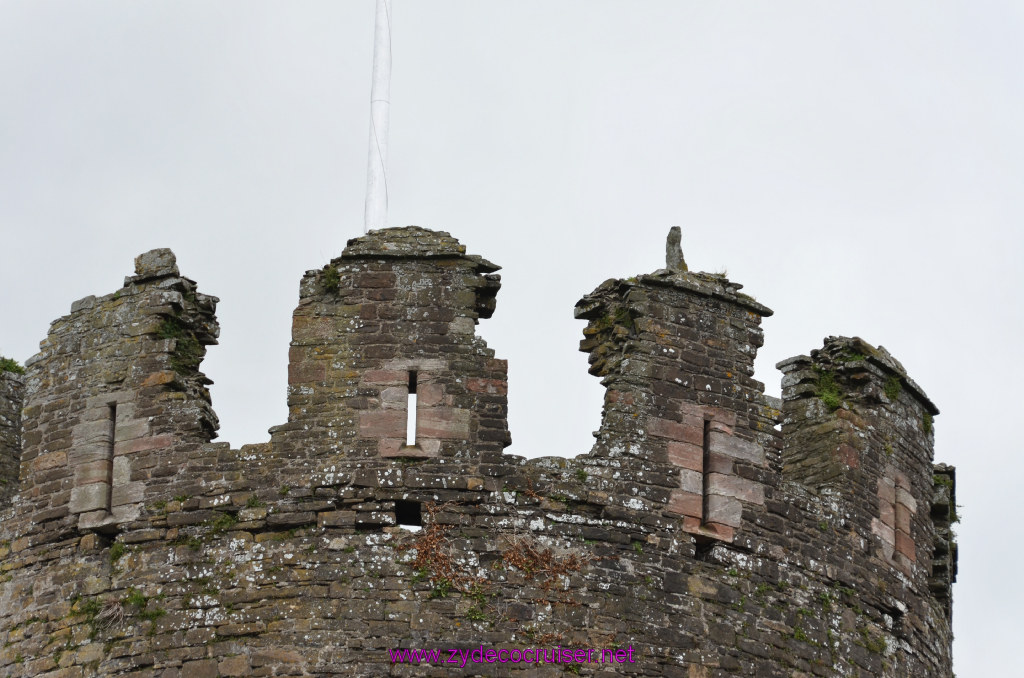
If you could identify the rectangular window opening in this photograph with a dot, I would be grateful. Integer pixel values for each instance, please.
(704, 467)
(408, 514)
(109, 457)
(410, 414)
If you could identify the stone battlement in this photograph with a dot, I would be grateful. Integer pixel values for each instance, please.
(715, 530)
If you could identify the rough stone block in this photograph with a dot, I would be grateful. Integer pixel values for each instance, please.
(129, 493)
(202, 668)
(884, 532)
(685, 455)
(429, 395)
(125, 447)
(724, 510)
(382, 424)
(665, 428)
(737, 448)
(686, 503)
(158, 262)
(308, 372)
(734, 486)
(887, 513)
(91, 472)
(691, 481)
(905, 545)
(443, 422)
(906, 499)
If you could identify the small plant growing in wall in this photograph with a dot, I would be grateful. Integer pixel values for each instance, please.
(893, 388)
(330, 280)
(9, 365)
(117, 550)
(828, 390)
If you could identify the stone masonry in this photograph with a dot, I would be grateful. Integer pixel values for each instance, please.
(712, 530)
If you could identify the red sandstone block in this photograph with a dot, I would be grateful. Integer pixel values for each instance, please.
(692, 409)
(443, 422)
(905, 498)
(685, 504)
(719, 531)
(884, 532)
(386, 377)
(720, 463)
(848, 455)
(712, 530)
(905, 545)
(720, 427)
(494, 386)
(93, 472)
(304, 373)
(886, 491)
(734, 486)
(382, 423)
(720, 415)
(685, 455)
(887, 513)
(617, 396)
(902, 519)
(902, 482)
(429, 395)
(389, 447)
(672, 430)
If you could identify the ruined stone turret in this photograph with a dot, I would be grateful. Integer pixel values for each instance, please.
(113, 390)
(394, 316)
(675, 350)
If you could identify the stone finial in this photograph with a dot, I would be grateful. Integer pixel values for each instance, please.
(154, 263)
(674, 251)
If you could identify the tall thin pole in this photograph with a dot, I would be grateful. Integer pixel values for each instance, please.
(376, 214)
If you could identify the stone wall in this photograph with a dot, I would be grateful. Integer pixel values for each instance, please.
(12, 387)
(694, 532)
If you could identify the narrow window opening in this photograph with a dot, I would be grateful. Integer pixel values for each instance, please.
(109, 457)
(410, 418)
(408, 514)
(704, 467)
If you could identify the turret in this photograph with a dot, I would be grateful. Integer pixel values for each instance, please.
(113, 390)
(675, 350)
(384, 359)
(857, 426)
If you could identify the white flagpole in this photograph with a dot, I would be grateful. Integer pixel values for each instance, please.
(376, 214)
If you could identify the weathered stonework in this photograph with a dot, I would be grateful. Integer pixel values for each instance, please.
(695, 531)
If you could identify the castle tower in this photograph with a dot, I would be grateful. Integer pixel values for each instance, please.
(116, 385)
(675, 350)
(857, 426)
(385, 361)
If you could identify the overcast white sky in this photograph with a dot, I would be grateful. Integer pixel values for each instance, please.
(858, 166)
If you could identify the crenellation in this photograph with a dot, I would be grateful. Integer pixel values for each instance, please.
(693, 532)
